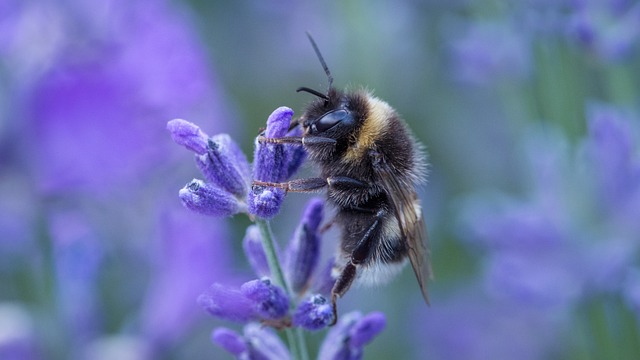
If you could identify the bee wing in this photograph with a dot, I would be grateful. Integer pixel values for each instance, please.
(404, 200)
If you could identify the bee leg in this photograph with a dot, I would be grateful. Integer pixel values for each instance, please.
(306, 141)
(298, 185)
(359, 254)
(313, 184)
(282, 140)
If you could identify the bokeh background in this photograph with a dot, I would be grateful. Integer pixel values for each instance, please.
(529, 110)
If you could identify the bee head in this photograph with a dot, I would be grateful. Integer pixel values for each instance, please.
(326, 113)
(330, 115)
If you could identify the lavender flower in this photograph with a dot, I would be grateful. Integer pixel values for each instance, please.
(227, 303)
(257, 343)
(271, 165)
(207, 199)
(314, 313)
(261, 299)
(225, 165)
(271, 301)
(230, 340)
(227, 188)
(252, 245)
(347, 339)
(188, 135)
(302, 253)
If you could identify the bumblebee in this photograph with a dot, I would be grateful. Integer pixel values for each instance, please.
(370, 165)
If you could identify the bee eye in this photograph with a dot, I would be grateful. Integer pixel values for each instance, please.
(329, 120)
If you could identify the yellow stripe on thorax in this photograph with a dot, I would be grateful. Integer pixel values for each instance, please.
(372, 128)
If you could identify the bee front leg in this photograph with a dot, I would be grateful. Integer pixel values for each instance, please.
(313, 184)
(306, 141)
(298, 185)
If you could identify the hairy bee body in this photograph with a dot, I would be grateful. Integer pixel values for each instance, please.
(377, 143)
(370, 165)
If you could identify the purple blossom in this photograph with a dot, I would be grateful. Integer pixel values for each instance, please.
(271, 165)
(264, 343)
(219, 158)
(303, 251)
(227, 172)
(256, 343)
(253, 250)
(365, 330)
(255, 300)
(324, 279)
(230, 340)
(271, 301)
(188, 135)
(347, 339)
(225, 165)
(207, 199)
(265, 202)
(315, 313)
(227, 303)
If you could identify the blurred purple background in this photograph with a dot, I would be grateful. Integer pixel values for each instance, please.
(529, 111)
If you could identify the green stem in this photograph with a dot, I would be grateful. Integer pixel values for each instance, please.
(295, 337)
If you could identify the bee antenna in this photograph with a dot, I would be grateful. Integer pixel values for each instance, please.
(324, 64)
(314, 92)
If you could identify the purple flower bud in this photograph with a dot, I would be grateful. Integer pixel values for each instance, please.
(230, 341)
(324, 279)
(252, 244)
(278, 122)
(270, 160)
(314, 313)
(188, 135)
(265, 202)
(367, 328)
(225, 165)
(346, 340)
(270, 164)
(207, 199)
(264, 344)
(304, 248)
(227, 303)
(269, 301)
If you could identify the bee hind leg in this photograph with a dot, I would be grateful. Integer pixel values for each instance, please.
(358, 255)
